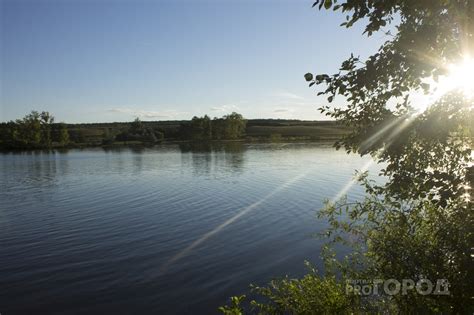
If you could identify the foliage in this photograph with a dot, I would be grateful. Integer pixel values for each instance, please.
(415, 239)
(234, 126)
(312, 294)
(136, 127)
(422, 226)
(418, 224)
(229, 127)
(275, 137)
(60, 134)
(34, 131)
(427, 155)
(430, 36)
(235, 307)
(139, 132)
(96, 134)
(107, 137)
(199, 128)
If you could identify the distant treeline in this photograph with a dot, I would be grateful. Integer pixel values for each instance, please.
(38, 130)
(199, 128)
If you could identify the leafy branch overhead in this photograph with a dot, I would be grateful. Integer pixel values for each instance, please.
(377, 92)
(429, 35)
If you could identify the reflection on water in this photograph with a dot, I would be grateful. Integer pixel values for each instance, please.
(167, 229)
(206, 157)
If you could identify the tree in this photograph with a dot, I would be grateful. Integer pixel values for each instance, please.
(63, 135)
(234, 125)
(231, 126)
(37, 130)
(60, 134)
(31, 132)
(430, 36)
(159, 134)
(218, 128)
(9, 134)
(207, 127)
(46, 120)
(107, 137)
(137, 131)
(78, 135)
(197, 128)
(136, 127)
(419, 225)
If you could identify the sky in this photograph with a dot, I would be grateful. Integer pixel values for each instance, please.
(114, 60)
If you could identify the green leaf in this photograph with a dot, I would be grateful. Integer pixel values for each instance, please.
(327, 4)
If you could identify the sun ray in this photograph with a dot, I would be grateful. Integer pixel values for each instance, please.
(228, 222)
(398, 126)
(350, 183)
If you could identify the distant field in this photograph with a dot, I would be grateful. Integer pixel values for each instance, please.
(314, 131)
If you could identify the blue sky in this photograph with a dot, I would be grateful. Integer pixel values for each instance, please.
(106, 60)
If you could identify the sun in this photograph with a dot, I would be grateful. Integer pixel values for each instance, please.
(461, 76)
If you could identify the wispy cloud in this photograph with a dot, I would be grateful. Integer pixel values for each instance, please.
(165, 114)
(225, 108)
(283, 110)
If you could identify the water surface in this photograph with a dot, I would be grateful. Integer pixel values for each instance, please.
(163, 230)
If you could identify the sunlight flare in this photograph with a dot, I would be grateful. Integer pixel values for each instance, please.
(461, 75)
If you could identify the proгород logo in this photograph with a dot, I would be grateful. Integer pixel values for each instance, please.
(394, 286)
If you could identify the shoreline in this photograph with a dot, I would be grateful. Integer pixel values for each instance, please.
(130, 144)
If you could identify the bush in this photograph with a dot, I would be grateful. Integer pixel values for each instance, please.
(312, 294)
